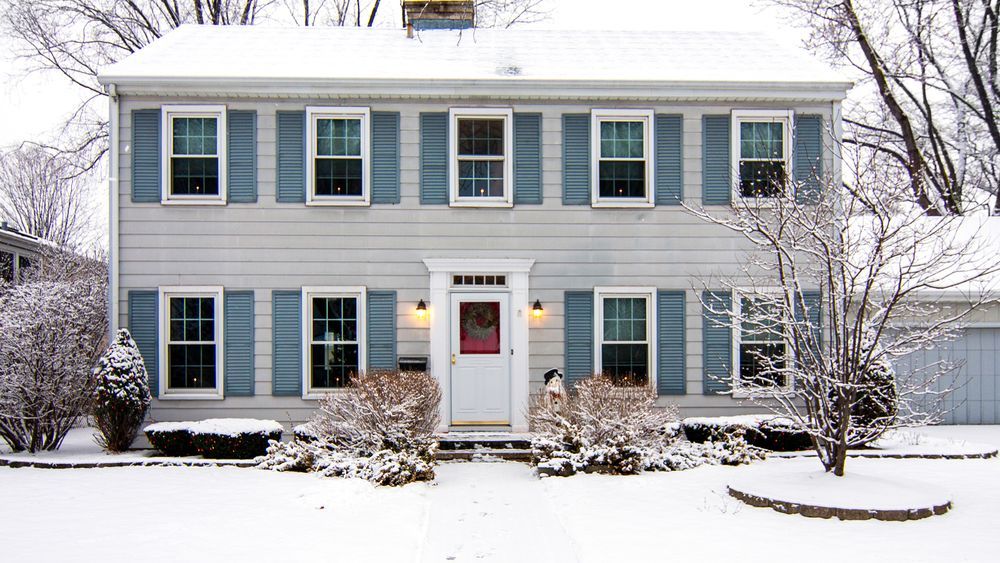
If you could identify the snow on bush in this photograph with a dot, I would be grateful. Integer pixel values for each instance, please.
(876, 403)
(767, 431)
(604, 427)
(52, 330)
(381, 428)
(216, 438)
(122, 396)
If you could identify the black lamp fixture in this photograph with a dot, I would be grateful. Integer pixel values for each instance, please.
(421, 310)
(536, 309)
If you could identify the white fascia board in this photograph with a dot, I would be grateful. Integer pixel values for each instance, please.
(534, 89)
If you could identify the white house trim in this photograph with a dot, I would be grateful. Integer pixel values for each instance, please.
(167, 114)
(507, 114)
(312, 114)
(784, 116)
(165, 292)
(308, 292)
(516, 270)
(597, 116)
(649, 293)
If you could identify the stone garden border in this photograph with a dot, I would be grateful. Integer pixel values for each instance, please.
(811, 511)
(168, 462)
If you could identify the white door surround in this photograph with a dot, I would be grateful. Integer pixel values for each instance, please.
(441, 272)
(480, 359)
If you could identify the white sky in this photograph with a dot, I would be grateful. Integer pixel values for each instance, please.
(34, 105)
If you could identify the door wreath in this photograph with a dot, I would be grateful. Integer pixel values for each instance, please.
(481, 320)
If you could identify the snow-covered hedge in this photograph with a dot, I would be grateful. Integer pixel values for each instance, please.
(381, 428)
(122, 395)
(765, 431)
(217, 438)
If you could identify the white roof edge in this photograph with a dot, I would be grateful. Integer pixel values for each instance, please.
(538, 89)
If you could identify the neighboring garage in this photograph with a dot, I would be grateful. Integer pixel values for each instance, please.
(976, 400)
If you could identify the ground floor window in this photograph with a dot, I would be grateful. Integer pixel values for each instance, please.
(624, 331)
(193, 340)
(335, 326)
(763, 351)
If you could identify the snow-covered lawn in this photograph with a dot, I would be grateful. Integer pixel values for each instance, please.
(473, 512)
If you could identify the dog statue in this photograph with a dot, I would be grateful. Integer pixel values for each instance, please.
(554, 390)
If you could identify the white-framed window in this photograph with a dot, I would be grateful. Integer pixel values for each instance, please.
(761, 152)
(339, 149)
(480, 156)
(14, 266)
(761, 348)
(621, 162)
(194, 154)
(333, 333)
(191, 343)
(624, 334)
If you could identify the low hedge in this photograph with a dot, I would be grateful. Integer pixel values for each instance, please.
(763, 431)
(214, 438)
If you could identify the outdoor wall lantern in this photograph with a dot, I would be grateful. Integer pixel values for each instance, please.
(536, 309)
(421, 310)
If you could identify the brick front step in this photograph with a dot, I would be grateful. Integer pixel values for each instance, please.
(483, 440)
(508, 454)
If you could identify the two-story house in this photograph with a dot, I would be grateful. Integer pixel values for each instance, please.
(292, 206)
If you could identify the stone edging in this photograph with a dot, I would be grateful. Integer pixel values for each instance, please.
(43, 464)
(811, 511)
(887, 455)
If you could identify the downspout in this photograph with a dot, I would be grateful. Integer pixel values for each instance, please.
(113, 171)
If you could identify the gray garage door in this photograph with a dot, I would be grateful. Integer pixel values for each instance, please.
(977, 397)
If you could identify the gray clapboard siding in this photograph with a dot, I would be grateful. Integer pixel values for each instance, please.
(717, 170)
(807, 161)
(381, 329)
(669, 168)
(238, 337)
(241, 147)
(670, 347)
(385, 157)
(813, 313)
(717, 342)
(287, 343)
(579, 335)
(527, 158)
(146, 155)
(291, 156)
(434, 158)
(576, 159)
(144, 324)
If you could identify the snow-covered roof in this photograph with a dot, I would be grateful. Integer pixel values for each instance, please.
(300, 58)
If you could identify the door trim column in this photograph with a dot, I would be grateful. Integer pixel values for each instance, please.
(517, 270)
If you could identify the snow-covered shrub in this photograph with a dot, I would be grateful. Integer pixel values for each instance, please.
(216, 438)
(600, 426)
(381, 428)
(765, 431)
(876, 403)
(52, 330)
(122, 394)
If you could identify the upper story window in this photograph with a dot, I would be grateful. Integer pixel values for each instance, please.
(622, 172)
(761, 149)
(339, 149)
(335, 347)
(481, 157)
(624, 334)
(194, 146)
(762, 348)
(192, 342)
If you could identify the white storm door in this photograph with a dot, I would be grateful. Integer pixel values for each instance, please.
(480, 359)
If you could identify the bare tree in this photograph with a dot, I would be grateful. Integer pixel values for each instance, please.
(879, 266)
(931, 69)
(41, 194)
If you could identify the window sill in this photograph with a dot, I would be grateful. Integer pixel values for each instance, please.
(193, 201)
(744, 393)
(324, 202)
(317, 395)
(190, 397)
(622, 204)
(487, 203)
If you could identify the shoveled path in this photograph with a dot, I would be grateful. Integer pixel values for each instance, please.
(492, 512)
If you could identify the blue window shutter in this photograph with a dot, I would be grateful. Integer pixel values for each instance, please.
(381, 329)
(434, 158)
(291, 157)
(286, 377)
(385, 157)
(670, 351)
(146, 170)
(669, 162)
(527, 158)
(242, 151)
(238, 314)
(579, 335)
(717, 342)
(576, 159)
(716, 170)
(813, 313)
(144, 324)
(807, 162)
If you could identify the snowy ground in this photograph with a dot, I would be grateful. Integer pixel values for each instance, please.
(473, 512)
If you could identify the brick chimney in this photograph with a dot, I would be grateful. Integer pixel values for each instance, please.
(439, 14)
